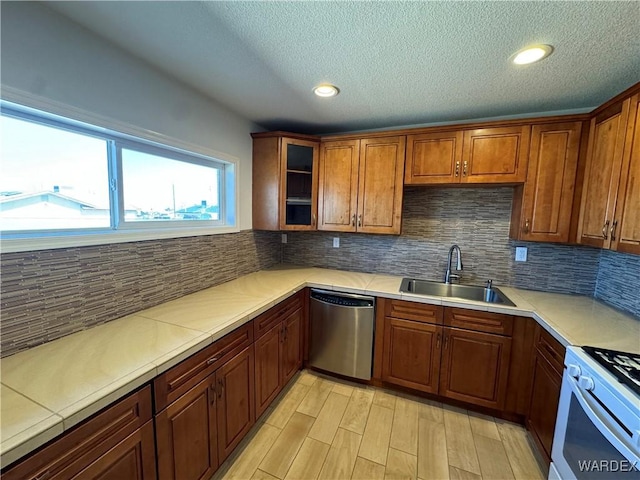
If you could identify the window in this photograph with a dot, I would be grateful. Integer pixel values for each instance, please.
(59, 177)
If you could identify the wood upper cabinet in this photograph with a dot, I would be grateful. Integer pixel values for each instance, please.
(543, 205)
(285, 181)
(485, 155)
(475, 367)
(433, 158)
(602, 175)
(625, 232)
(361, 185)
(495, 155)
(116, 443)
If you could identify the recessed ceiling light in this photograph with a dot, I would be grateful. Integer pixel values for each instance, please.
(532, 54)
(326, 90)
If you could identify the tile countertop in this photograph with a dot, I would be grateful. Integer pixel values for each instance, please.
(52, 387)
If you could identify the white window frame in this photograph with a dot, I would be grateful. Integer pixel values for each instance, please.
(119, 230)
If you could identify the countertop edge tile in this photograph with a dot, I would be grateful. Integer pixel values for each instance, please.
(23, 443)
(83, 409)
(172, 358)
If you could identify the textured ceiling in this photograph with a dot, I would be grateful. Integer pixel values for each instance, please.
(396, 63)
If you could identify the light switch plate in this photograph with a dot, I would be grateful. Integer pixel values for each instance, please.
(284, 238)
(521, 254)
(336, 242)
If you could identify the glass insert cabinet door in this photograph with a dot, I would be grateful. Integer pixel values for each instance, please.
(299, 184)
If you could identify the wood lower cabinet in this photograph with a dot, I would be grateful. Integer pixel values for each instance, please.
(547, 367)
(412, 354)
(278, 351)
(543, 206)
(187, 434)
(116, 443)
(198, 430)
(360, 185)
(475, 367)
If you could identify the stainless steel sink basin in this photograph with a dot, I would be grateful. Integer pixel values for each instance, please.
(466, 292)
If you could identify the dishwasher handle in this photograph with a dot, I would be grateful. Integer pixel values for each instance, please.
(342, 299)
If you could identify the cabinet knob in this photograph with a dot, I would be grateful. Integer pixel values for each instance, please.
(613, 230)
(526, 226)
(605, 230)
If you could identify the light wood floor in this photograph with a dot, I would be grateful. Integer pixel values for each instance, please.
(328, 429)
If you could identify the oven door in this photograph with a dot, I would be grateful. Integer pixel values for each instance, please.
(590, 442)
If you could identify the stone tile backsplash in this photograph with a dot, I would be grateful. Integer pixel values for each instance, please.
(619, 281)
(51, 293)
(476, 219)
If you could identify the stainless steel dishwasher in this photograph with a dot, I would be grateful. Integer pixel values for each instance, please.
(341, 333)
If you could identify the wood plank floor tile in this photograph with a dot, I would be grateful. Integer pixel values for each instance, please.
(494, 463)
(384, 399)
(245, 459)
(328, 420)
(285, 407)
(483, 425)
(519, 451)
(260, 475)
(400, 465)
(343, 389)
(377, 433)
(430, 410)
(285, 448)
(342, 456)
(357, 412)
(433, 462)
(309, 461)
(315, 398)
(458, 474)
(367, 470)
(306, 378)
(404, 433)
(461, 448)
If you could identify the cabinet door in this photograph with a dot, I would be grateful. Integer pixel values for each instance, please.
(411, 355)
(433, 158)
(495, 155)
(134, 459)
(268, 368)
(291, 345)
(625, 231)
(338, 186)
(298, 185)
(186, 434)
(541, 418)
(236, 413)
(475, 367)
(548, 191)
(380, 185)
(602, 175)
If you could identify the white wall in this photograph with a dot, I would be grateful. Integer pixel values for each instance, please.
(49, 58)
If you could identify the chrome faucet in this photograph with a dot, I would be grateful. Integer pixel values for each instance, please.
(448, 276)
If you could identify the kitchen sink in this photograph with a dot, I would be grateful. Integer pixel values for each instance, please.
(466, 292)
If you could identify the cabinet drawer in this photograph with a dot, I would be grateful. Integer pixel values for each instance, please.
(550, 349)
(479, 321)
(263, 323)
(86, 443)
(419, 312)
(177, 381)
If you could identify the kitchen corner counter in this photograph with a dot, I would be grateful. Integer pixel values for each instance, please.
(50, 388)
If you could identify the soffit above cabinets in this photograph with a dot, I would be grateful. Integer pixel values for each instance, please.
(396, 63)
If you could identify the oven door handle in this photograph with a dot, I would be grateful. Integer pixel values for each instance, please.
(616, 440)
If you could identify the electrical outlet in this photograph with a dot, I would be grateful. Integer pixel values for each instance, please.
(284, 238)
(336, 242)
(521, 254)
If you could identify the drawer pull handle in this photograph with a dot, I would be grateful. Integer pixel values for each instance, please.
(526, 226)
(438, 341)
(613, 230)
(464, 168)
(213, 393)
(458, 168)
(43, 476)
(212, 360)
(359, 220)
(353, 220)
(220, 388)
(604, 230)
